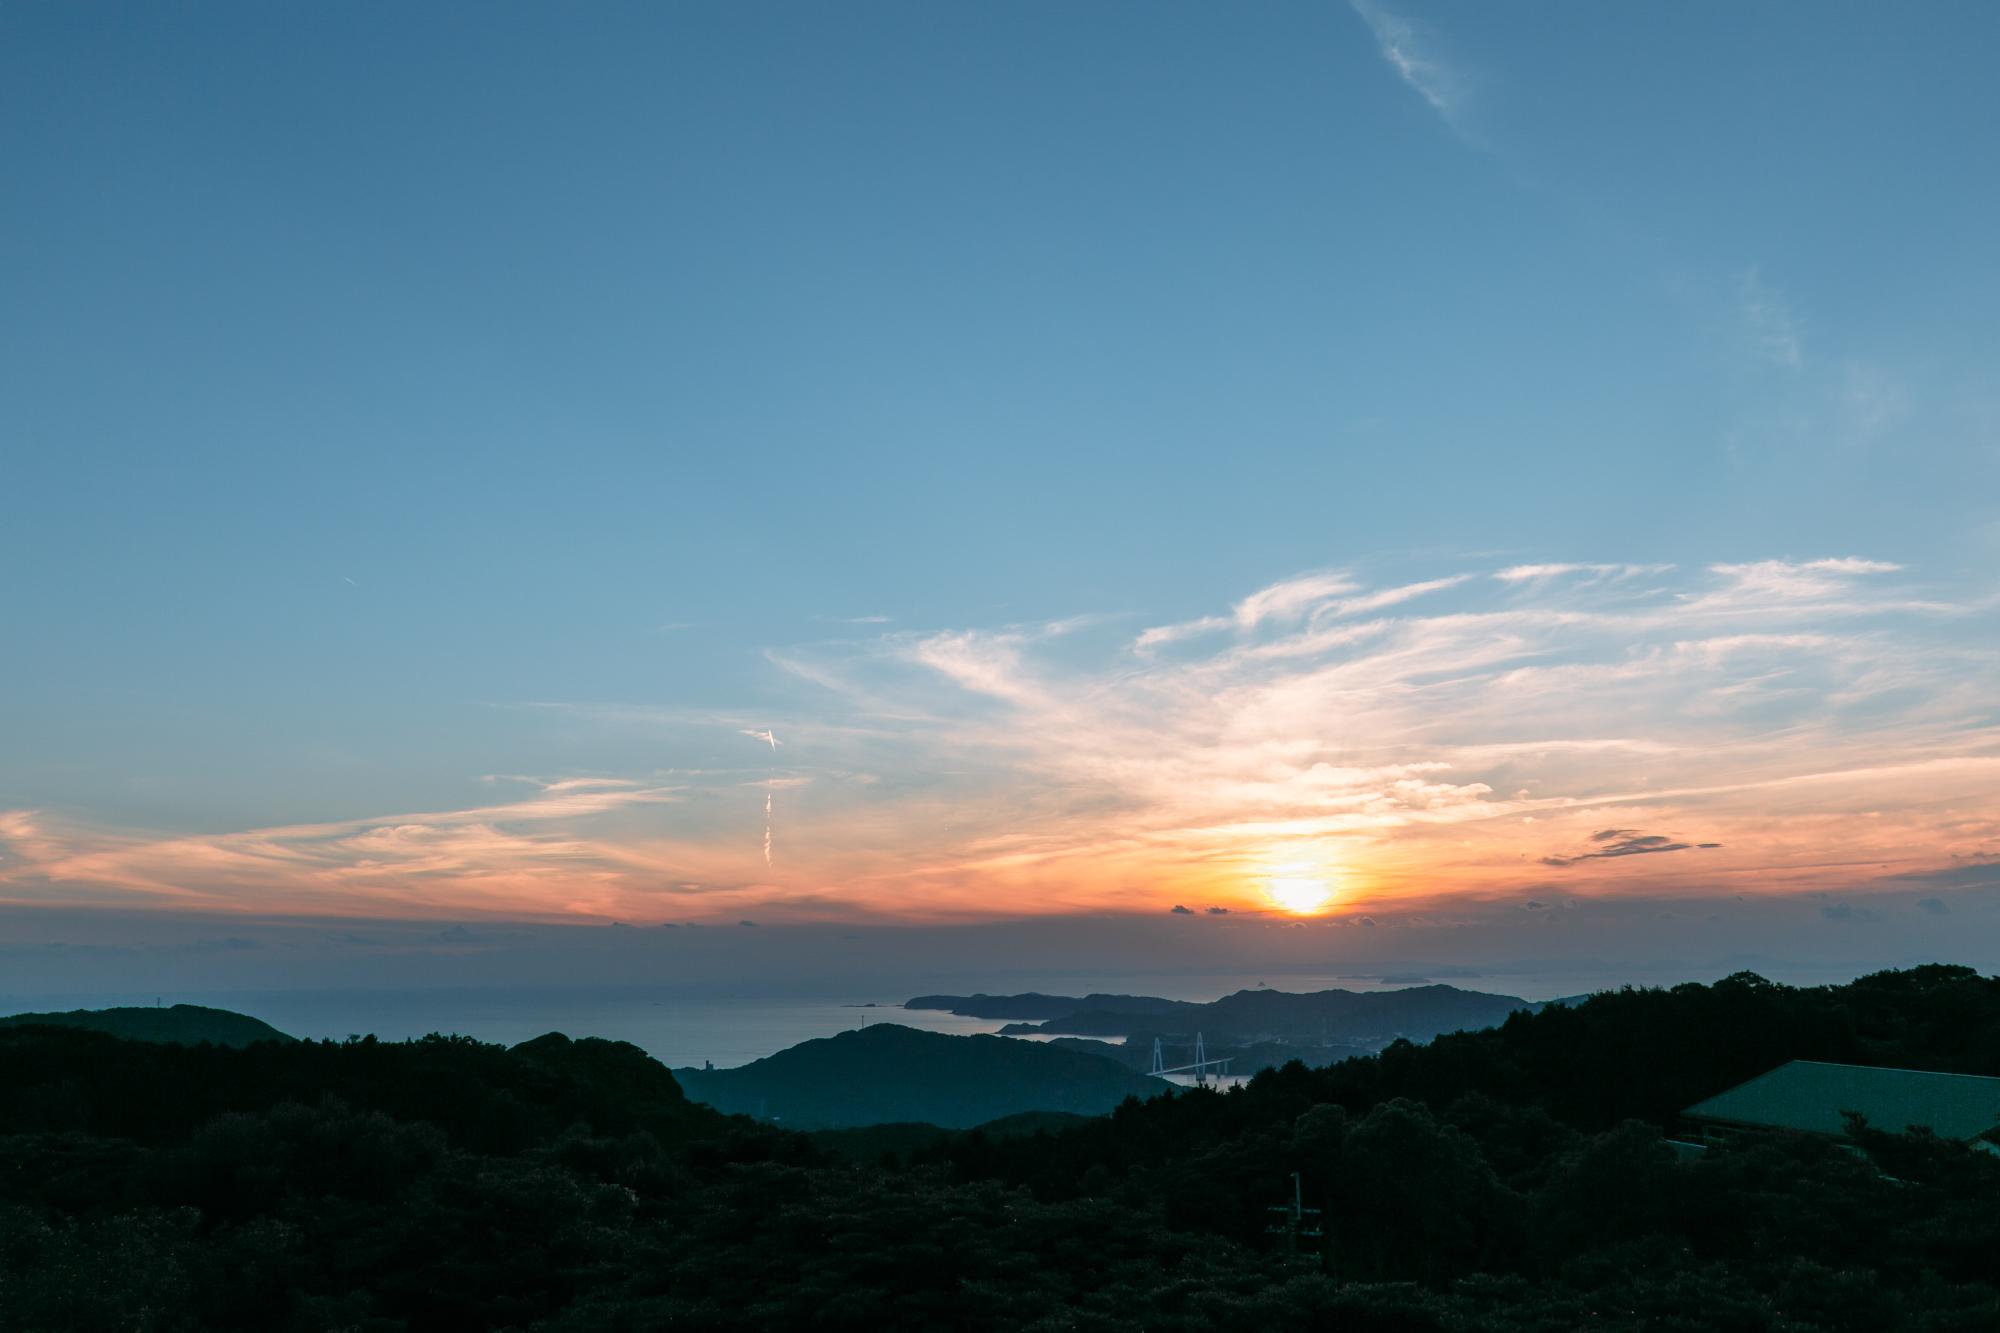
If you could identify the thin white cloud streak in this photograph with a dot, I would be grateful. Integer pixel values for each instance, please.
(1316, 598)
(1528, 573)
(1161, 635)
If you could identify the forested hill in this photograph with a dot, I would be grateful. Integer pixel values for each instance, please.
(189, 1024)
(487, 1098)
(886, 1073)
(1519, 1174)
(1586, 1068)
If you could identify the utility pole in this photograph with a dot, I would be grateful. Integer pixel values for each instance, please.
(1298, 1223)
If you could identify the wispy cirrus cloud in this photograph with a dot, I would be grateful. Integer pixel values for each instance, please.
(1823, 721)
(1400, 749)
(1314, 599)
(1799, 400)
(531, 857)
(1771, 332)
(1414, 56)
(1287, 601)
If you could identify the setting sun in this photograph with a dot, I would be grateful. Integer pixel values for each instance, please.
(1299, 895)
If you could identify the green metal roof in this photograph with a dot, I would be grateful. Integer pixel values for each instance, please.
(1809, 1096)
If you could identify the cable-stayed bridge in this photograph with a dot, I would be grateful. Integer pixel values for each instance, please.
(1203, 1068)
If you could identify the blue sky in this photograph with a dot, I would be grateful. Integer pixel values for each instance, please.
(400, 400)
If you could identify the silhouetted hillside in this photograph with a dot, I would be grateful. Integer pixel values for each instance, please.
(189, 1024)
(486, 1098)
(1124, 1053)
(887, 1073)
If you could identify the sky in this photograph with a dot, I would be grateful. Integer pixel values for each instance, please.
(1209, 483)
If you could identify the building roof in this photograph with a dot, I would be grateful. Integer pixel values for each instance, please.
(1809, 1096)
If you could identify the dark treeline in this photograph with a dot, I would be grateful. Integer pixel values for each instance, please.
(1513, 1178)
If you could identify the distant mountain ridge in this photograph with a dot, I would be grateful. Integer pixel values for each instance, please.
(185, 1024)
(1036, 1006)
(886, 1073)
(1342, 1017)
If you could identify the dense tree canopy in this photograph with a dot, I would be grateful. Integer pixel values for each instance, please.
(1510, 1179)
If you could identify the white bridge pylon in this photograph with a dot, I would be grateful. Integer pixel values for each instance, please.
(1203, 1068)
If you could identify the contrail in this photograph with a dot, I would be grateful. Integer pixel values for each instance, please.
(770, 738)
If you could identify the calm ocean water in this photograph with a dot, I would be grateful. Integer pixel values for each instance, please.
(680, 1027)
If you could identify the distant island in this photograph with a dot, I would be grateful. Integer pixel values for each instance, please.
(1253, 1029)
(1037, 1006)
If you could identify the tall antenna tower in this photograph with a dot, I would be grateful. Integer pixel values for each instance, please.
(1298, 1221)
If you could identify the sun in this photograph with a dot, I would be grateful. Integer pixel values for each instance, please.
(1298, 895)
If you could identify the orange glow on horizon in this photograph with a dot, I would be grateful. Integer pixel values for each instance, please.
(1561, 733)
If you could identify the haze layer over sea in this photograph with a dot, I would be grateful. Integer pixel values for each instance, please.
(681, 1025)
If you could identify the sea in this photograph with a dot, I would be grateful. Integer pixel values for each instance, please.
(682, 1027)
